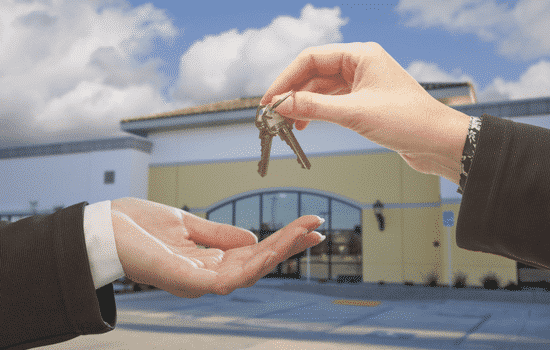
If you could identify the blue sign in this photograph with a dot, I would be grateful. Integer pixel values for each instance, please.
(448, 218)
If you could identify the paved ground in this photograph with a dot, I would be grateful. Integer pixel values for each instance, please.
(296, 315)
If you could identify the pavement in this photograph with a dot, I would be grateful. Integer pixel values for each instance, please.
(284, 314)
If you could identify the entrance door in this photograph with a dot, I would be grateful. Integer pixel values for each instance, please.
(338, 256)
(277, 210)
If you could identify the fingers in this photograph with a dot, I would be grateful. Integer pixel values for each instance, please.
(301, 124)
(264, 261)
(245, 276)
(293, 238)
(179, 228)
(215, 235)
(304, 105)
(322, 61)
(184, 280)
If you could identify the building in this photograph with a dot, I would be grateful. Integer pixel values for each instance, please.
(205, 159)
(39, 179)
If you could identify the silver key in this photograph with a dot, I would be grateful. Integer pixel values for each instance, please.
(286, 134)
(266, 138)
(270, 124)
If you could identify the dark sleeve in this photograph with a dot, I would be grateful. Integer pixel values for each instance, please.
(47, 293)
(505, 208)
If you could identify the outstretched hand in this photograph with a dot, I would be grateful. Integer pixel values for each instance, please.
(157, 245)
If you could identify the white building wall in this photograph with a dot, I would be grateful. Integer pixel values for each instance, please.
(241, 141)
(63, 180)
(139, 174)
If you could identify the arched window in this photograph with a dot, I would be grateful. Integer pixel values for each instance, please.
(265, 213)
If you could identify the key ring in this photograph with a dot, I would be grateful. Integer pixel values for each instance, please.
(267, 108)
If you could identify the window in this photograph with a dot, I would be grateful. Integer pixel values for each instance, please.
(267, 212)
(223, 215)
(109, 177)
(279, 209)
(247, 214)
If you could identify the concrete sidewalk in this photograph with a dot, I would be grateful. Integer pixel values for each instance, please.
(277, 314)
(400, 291)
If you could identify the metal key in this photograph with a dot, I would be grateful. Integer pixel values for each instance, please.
(270, 124)
(266, 138)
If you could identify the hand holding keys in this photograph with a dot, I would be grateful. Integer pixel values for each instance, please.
(270, 124)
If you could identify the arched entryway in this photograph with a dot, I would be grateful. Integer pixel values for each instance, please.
(265, 212)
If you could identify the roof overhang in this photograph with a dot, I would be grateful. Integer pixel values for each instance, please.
(146, 126)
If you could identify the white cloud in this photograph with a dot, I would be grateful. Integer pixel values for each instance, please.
(234, 64)
(521, 31)
(430, 72)
(535, 82)
(68, 68)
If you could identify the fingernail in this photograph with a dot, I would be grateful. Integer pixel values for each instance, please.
(320, 235)
(321, 220)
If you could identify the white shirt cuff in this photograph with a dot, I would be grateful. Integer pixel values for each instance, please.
(100, 244)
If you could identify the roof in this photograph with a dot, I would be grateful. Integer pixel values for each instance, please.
(436, 86)
(253, 102)
(221, 106)
(53, 149)
(509, 109)
(243, 110)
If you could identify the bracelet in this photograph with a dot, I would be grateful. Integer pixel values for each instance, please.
(469, 151)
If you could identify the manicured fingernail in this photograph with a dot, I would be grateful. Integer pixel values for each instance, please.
(322, 237)
(321, 220)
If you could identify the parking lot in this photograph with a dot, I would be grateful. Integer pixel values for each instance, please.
(278, 314)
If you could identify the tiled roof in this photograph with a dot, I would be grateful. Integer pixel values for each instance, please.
(251, 102)
(221, 106)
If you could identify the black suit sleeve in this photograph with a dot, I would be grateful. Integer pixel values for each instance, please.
(46, 288)
(505, 208)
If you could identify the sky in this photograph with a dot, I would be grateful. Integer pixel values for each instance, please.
(71, 70)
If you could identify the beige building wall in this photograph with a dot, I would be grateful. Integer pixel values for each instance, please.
(472, 266)
(403, 252)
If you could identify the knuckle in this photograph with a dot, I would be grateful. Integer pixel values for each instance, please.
(307, 51)
(373, 49)
(306, 106)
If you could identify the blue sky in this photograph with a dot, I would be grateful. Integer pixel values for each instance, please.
(455, 51)
(70, 70)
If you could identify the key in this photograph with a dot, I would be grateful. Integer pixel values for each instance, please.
(270, 124)
(266, 138)
(286, 134)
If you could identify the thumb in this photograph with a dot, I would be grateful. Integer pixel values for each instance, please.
(305, 105)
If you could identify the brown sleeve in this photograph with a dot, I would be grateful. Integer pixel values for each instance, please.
(505, 208)
(46, 289)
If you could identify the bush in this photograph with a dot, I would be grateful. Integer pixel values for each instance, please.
(490, 283)
(460, 282)
(512, 286)
(431, 281)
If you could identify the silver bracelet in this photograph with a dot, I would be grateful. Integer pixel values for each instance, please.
(469, 151)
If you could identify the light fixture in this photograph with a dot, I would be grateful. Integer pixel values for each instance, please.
(378, 207)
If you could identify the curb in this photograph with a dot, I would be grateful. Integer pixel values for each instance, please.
(374, 291)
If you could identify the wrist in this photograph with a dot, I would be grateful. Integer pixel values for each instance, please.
(451, 136)
(442, 143)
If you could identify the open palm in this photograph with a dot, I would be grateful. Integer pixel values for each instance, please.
(157, 245)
